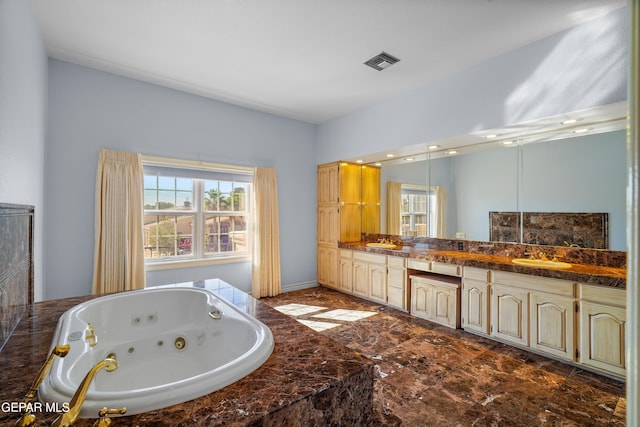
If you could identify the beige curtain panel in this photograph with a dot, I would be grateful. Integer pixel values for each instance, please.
(394, 207)
(119, 251)
(441, 212)
(266, 278)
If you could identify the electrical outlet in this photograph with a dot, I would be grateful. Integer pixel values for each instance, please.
(460, 246)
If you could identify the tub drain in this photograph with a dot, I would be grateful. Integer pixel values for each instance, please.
(180, 343)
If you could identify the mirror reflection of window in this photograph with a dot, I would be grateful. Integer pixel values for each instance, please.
(417, 216)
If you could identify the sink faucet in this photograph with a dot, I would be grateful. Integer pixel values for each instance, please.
(70, 417)
(28, 419)
(572, 245)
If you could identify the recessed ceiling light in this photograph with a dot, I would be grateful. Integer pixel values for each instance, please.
(492, 135)
(452, 152)
(433, 147)
(581, 130)
(409, 159)
(359, 161)
(571, 121)
(390, 155)
(507, 142)
(378, 164)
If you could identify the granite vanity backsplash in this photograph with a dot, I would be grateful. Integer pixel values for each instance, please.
(572, 255)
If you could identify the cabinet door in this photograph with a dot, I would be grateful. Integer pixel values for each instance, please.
(475, 305)
(421, 298)
(371, 219)
(370, 185)
(350, 183)
(328, 225)
(346, 275)
(378, 283)
(328, 184)
(350, 222)
(510, 314)
(602, 343)
(552, 324)
(445, 306)
(327, 266)
(360, 278)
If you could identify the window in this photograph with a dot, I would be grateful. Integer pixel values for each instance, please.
(418, 211)
(196, 212)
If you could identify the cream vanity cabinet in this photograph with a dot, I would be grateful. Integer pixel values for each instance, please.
(435, 291)
(602, 328)
(577, 323)
(535, 312)
(475, 300)
(370, 276)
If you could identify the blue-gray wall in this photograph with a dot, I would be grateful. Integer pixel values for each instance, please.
(23, 100)
(580, 68)
(90, 109)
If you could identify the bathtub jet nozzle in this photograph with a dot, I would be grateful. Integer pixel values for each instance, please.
(90, 336)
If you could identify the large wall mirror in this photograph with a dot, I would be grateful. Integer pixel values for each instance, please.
(561, 173)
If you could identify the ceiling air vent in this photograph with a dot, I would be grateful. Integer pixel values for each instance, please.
(381, 61)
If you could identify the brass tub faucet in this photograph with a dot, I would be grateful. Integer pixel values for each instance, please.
(70, 417)
(104, 420)
(28, 419)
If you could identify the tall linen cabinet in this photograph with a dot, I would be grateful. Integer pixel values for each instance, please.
(348, 205)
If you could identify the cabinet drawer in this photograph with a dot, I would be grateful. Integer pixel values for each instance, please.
(448, 269)
(476, 274)
(603, 294)
(346, 253)
(444, 282)
(395, 261)
(369, 258)
(535, 283)
(417, 264)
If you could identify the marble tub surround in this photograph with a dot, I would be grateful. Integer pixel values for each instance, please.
(589, 266)
(308, 380)
(431, 375)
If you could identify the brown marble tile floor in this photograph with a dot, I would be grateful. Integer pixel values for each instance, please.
(430, 375)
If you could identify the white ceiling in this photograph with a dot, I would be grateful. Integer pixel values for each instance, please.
(301, 59)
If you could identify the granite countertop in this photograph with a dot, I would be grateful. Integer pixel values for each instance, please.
(303, 364)
(582, 273)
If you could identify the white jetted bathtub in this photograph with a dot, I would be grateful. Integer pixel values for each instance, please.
(172, 345)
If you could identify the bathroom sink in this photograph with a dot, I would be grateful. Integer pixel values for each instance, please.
(540, 263)
(381, 245)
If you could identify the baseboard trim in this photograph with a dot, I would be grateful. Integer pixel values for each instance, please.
(297, 286)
